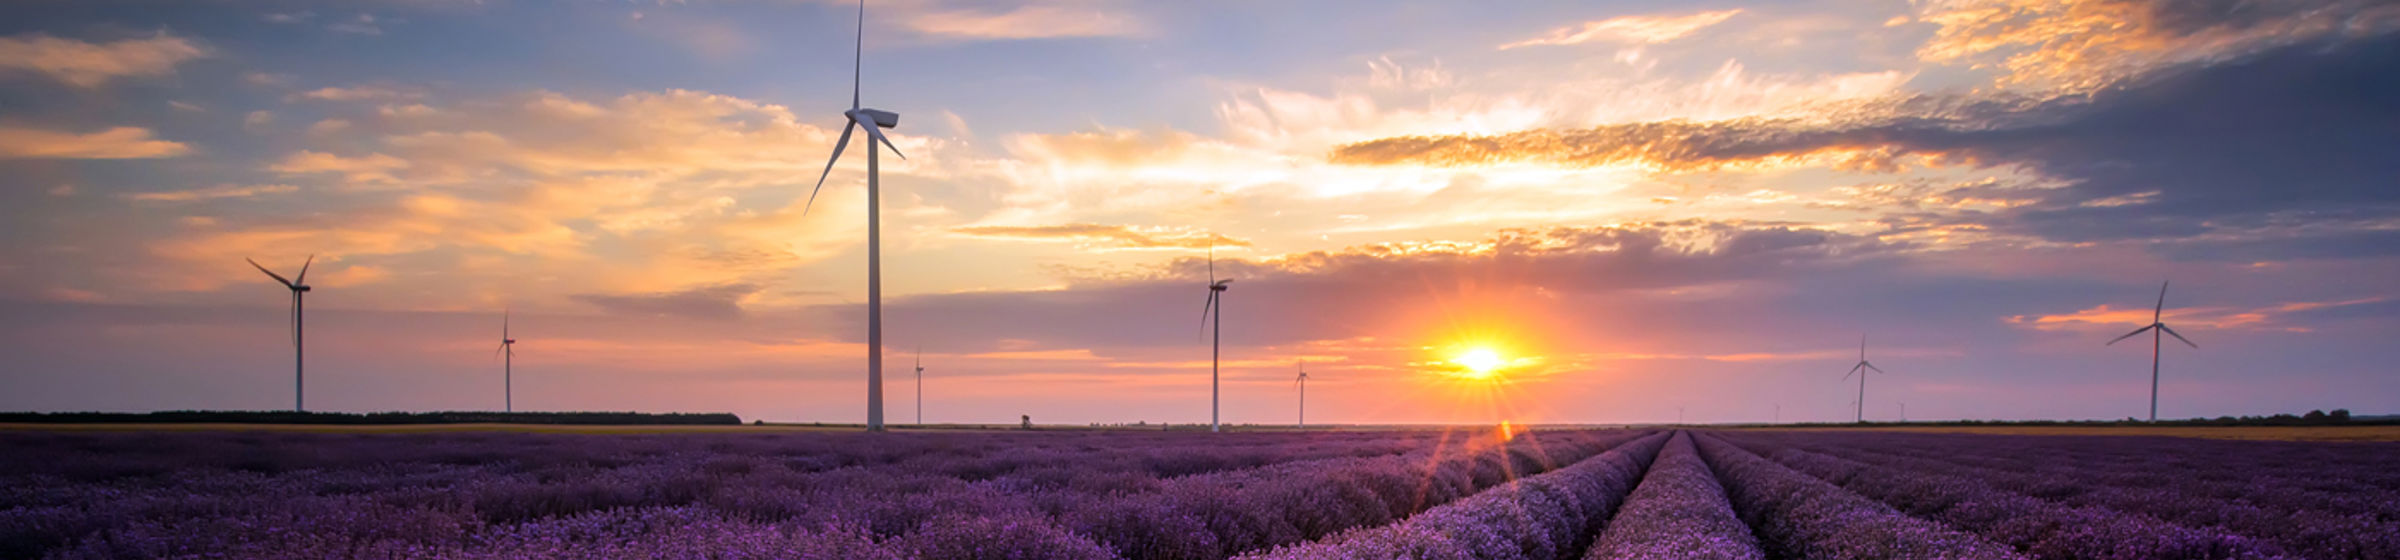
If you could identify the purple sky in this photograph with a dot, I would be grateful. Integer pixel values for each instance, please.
(1640, 206)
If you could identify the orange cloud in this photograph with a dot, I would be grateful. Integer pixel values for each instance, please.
(1629, 30)
(2082, 44)
(1025, 22)
(210, 193)
(1107, 236)
(2271, 317)
(124, 142)
(89, 65)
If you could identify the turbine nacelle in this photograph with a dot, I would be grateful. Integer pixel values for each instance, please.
(881, 118)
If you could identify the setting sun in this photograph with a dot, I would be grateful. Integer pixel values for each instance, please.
(1481, 362)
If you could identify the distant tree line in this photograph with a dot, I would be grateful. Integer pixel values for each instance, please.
(290, 417)
(2338, 417)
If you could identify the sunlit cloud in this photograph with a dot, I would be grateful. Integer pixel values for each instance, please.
(124, 142)
(2082, 44)
(2271, 317)
(1101, 236)
(1029, 21)
(1629, 30)
(87, 65)
(210, 193)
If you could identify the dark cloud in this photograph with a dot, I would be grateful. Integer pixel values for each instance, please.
(1365, 290)
(713, 302)
(1101, 235)
(2308, 132)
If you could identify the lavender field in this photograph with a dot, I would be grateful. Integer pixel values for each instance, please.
(1558, 494)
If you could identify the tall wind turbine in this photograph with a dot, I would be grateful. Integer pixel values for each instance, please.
(298, 285)
(1860, 370)
(1302, 382)
(2156, 326)
(920, 386)
(873, 120)
(1216, 290)
(508, 353)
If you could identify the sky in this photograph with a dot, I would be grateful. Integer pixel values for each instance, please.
(1647, 211)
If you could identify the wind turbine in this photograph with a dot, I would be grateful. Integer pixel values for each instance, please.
(873, 120)
(1302, 382)
(1216, 290)
(1860, 370)
(2156, 326)
(920, 386)
(298, 285)
(508, 353)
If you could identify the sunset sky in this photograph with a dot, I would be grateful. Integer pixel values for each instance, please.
(1640, 207)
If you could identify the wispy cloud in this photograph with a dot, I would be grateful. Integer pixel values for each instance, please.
(210, 193)
(2271, 317)
(708, 302)
(88, 65)
(1629, 30)
(1103, 236)
(370, 168)
(2089, 43)
(1026, 22)
(356, 93)
(124, 142)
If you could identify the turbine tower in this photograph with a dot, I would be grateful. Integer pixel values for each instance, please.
(1860, 370)
(1216, 290)
(508, 357)
(873, 120)
(298, 285)
(2156, 326)
(1302, 382)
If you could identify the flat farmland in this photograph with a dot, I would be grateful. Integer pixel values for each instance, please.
(1104, 494)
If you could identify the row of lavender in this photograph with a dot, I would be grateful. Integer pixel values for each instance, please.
(1906, 497)
(2101, 497)
(917, 496)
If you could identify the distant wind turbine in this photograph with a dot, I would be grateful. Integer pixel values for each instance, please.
(508, 366)
(1302, 382)
(1860, 370)
(1216, 289)
(920, 386)
(298, 285)
(2156, 326)
(873, 121)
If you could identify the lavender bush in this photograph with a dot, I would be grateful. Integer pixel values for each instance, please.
(1678, 512)
(2180, 481)
(1550, 516)
(2040, 528)
(1797, 516)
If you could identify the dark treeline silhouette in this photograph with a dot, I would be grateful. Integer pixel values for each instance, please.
(2338, 417)
(290, 417)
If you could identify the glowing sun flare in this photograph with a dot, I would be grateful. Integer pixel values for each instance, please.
(1481, 361)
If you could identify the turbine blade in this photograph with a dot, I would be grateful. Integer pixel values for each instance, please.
(877, 133)
(2171, 332)
(270, 273)
(2162, 302)
(1871, 366)
(1862, 347)
(1212, 261)
(1204, 309)
(302, 278)
(858, 56)
(837, 157)
(1853, 371)
(2130, 334)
